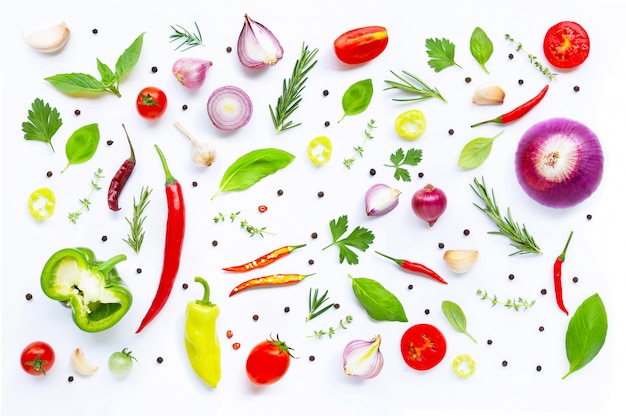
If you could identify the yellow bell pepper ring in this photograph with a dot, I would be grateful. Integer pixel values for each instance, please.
(319, 150)
(463, 366)
(411, 124)
(41, 203)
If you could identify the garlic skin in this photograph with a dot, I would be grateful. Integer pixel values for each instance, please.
(81, 364)
(380, 199)
(460, 261)
(363, 359)
(50, 39)
(257, 46)
(191, 72)
(488, 94)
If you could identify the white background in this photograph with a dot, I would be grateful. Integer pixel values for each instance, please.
(318, 386)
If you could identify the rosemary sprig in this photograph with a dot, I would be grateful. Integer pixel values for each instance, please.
(416, 87)
(358, 150)
(244, 224)
(516, 304)
(86, 202)
(533, 59)
(290, 99)
(332, 330)
(185, 37)
(136, 235)
(316, 304)
(519, 236)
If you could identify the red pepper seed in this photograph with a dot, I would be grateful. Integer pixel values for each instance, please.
(229, 334)
(262, 208)
(236, 345)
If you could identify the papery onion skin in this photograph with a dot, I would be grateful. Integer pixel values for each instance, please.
(191, 72)
(229, 108)
(559, 162)
(380, 199)
(429, 203)
(363, 359)
(257, 46)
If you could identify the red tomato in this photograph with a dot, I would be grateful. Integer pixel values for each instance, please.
(361, 45)
(423, 346)
(37, 358)
(566, 45)
(268, 361)
(151, 102)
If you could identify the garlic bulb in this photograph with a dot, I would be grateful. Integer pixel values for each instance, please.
(203, 153)
(363, 359)
(80, 364)
(488, 94)
(460, 261)
(50, 39)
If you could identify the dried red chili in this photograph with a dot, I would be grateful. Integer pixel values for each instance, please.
(175, 233)
(121, 177)
(416, 268)
(271, 280)
(264, 260)
(558, 289)
(518, 112)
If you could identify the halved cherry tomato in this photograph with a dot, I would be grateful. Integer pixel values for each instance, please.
(361, 45)
(566, 45)
(411, 124)
(423, 346)
(151, 102)
(37, 358)
(268, 361)
(319, 150)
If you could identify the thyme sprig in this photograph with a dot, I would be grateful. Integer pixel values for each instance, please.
(137, 233)
(515, 304)
(290, 99)
(358, 150)
(519, 236)
(533, 59)
(332, 330)
(185, 37)
(316, 304)
(415, 86)
(244, 224)
(86, 202)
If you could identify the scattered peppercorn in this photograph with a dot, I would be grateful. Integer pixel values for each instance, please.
(372, 172)
(311, 358)
(313, 235)
(94, 31)
(538, 368)
(159, 360)
(229, 49)
(326, 123)
(49, 174)
(70, 379)
(155, 69)
(194, 184)
(504, 363)
(336, 305)
(29, 296)
(520, 81)
(466, 232)
(229, 334)
(541, 328)
(214, 243)
(451, 132)
(420, 175)
(575, 279)
(279, 192)
(311, 261)
(440, 245)
(543, 291)
(185, 107)
(588, 216)
(287, 309)
(410, 287)
(468, 80)
(185, 286)
(320, 194)
(77, 112)
(262, 208)
(576, 88)
(325, 93)
(105, 238)
(236, 345)
(511, 56)
(489, 342)
(255, 317)
(427, 311)
(109, 142)
(511, 276)
(139, 270)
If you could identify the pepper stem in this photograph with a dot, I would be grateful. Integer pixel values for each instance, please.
(169, 179)
(106, 267)
(493, 120)
(207, 292)
(399, 261)
(131, 158)
(562, 255)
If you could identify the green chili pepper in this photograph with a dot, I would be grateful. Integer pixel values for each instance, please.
(41, 203)
(201, 341)
(93, 289)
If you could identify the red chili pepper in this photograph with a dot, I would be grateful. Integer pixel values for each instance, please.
(263, 261)
(416, 267)
(558, 289)
(272, 280)
(121, 177)
(175, 233)
(518, 112)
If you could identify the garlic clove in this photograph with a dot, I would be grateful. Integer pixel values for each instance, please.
(81, 364)
(50, 39)
(488, 94)
(460, 261)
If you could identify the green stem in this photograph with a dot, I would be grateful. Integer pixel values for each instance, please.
(169, 179)
(207, 292)
(399, 261)
(562, 255)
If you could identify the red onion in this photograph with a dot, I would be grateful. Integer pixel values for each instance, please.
(559, 162)
(429, 203)
(380, 199)
(191, 72)
(363, 359)
(229, 108)
(257, 46)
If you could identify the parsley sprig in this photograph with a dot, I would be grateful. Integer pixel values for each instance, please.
(399, 159)
(316, 304)
(185, 37)
(43, 122)
(360, 238)
(85, 203)
(358, 150)
(441, 53)
(137, 233)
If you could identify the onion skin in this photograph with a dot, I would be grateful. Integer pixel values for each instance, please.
(380, 199)
(429, 203)
(229, 108)
(559, 162)
(363, 359)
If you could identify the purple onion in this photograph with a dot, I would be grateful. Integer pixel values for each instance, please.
(380, 199)
(429, 203)
(559, 162)
(229, 108)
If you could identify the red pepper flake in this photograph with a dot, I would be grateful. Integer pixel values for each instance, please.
(236, 345)
(262, 208)
(229, 334)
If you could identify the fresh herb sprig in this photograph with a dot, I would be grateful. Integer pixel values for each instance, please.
(86, 202)
(358, 150)
(185, 37)
(316, 304)
(360, 238)
(519, 236)
(441, 53)
(399, 159)
(243, 224)
(43, 122)
(290, 99)
(137, 233)
(332, 330)
(515, 304)
(414, 86)
(533, 59)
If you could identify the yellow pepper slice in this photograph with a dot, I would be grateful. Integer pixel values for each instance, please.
(41, 203)
(463, 366)
(411, 124)
(319, 150)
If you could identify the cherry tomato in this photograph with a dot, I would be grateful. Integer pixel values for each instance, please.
(361, 45)
(37, 358)
(151, 102)
(423, 346)
(566, 45)
(320, 150)
(268, 361)
(410, 124)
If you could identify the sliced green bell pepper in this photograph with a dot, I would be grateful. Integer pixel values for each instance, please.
(93, 289)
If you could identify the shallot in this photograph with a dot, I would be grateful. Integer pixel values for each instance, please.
(363, 359)
(191, 72)
(229, 108)
(380, 199)
(429, 203)
(257, 46)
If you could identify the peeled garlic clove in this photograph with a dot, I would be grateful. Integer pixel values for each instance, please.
(49, 39)
(488, 94)
(363, 359)
(460, 261)
(81, 364)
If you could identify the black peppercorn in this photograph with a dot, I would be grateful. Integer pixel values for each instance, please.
(29, 296)
(255, 317)
(538, 368)
(109, 142)
(489, 342)
(440, 245)
(287, 309)
(311, 261)
(229, 49)
(311, 358)
(325, 93)
(520, 81)
(194, 184)
(468, 80)
(504, 363)
(372, 172)
(543, 291)
(70, 379)
(94, 31)
(511, 276)
(159, 360)
(327, 123)
(576, 88)
(314, 235)
(155, 69)
(575, 279)
(49, 174)
(185, 107)
(466, 232)
(511, 56)
(451, 132)
(139, 270)
(105, 238)
(320, 194)
(420, 175)
(336, 305)
(279, 192)
(77, 112)
(427, 311)
(185, 286)
(541, 328)
(588, 216)
(410, 287)
(214, 243)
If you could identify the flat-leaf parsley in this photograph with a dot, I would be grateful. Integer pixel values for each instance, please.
(360, 238)
(441, 53)
(411, 158)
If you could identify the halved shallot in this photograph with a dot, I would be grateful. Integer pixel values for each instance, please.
(229, 108)
(380, 199)
(363, 359)
(257, 46)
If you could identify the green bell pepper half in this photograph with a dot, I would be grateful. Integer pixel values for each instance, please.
(93, 289)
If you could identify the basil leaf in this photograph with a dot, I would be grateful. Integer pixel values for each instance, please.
(252, 167)
(476, 151)
(357, 98)
(82, 145)
(108, 77)
(586, 333)
(481, 47)
(129, 58)
(455, 316)
(378, 302)
(76, 83)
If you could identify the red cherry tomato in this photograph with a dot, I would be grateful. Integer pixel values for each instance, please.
(566, 45)
(361, 45)
(37, 358)
(268, 361)
(151, 102)
(423, 346)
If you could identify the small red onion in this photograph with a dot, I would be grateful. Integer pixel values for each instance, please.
(429, 203)
(257, 46)
(191, 72)
(363, 359)
(229, 108)
(380, 199)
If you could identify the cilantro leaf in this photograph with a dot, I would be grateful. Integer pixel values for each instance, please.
(441, 52)
(360, 238)
(43, 122)
(413, 157)
(399, 158)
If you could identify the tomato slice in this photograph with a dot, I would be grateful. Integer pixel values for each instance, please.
(423, 346)
(319, 150)
(566, 45)
(410, 124)
(361, 45)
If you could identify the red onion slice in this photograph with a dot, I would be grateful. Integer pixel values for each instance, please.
(229, 108)
(559, 162)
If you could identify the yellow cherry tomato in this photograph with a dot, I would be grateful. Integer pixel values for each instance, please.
(463, 366)
(411, 124)
(41, 203)
(319, 150)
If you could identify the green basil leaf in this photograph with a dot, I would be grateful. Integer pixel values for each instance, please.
(82, 145)
(357, 98)
(76, 83)
(586, 333)
(379, 303)
(476, 151)
(252, 167)
(129, 58)
(456, 317)
(481, 47)
(107, 75)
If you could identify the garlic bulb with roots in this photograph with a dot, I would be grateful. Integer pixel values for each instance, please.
(203, 153)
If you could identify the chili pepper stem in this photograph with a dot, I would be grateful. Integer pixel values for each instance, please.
(106, 266)
(562, 255)
(205, 301)
(399, 261)
(493, 120)
(131, 158)
(169, 178)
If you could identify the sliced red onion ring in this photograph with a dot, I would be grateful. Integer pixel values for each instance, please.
(229, 108)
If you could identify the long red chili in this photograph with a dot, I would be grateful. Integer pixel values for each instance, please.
(416, 267)
(174, 235)
(518, 112)
(121, 177)
(271, 280)
(558, 289)
(264, 260)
